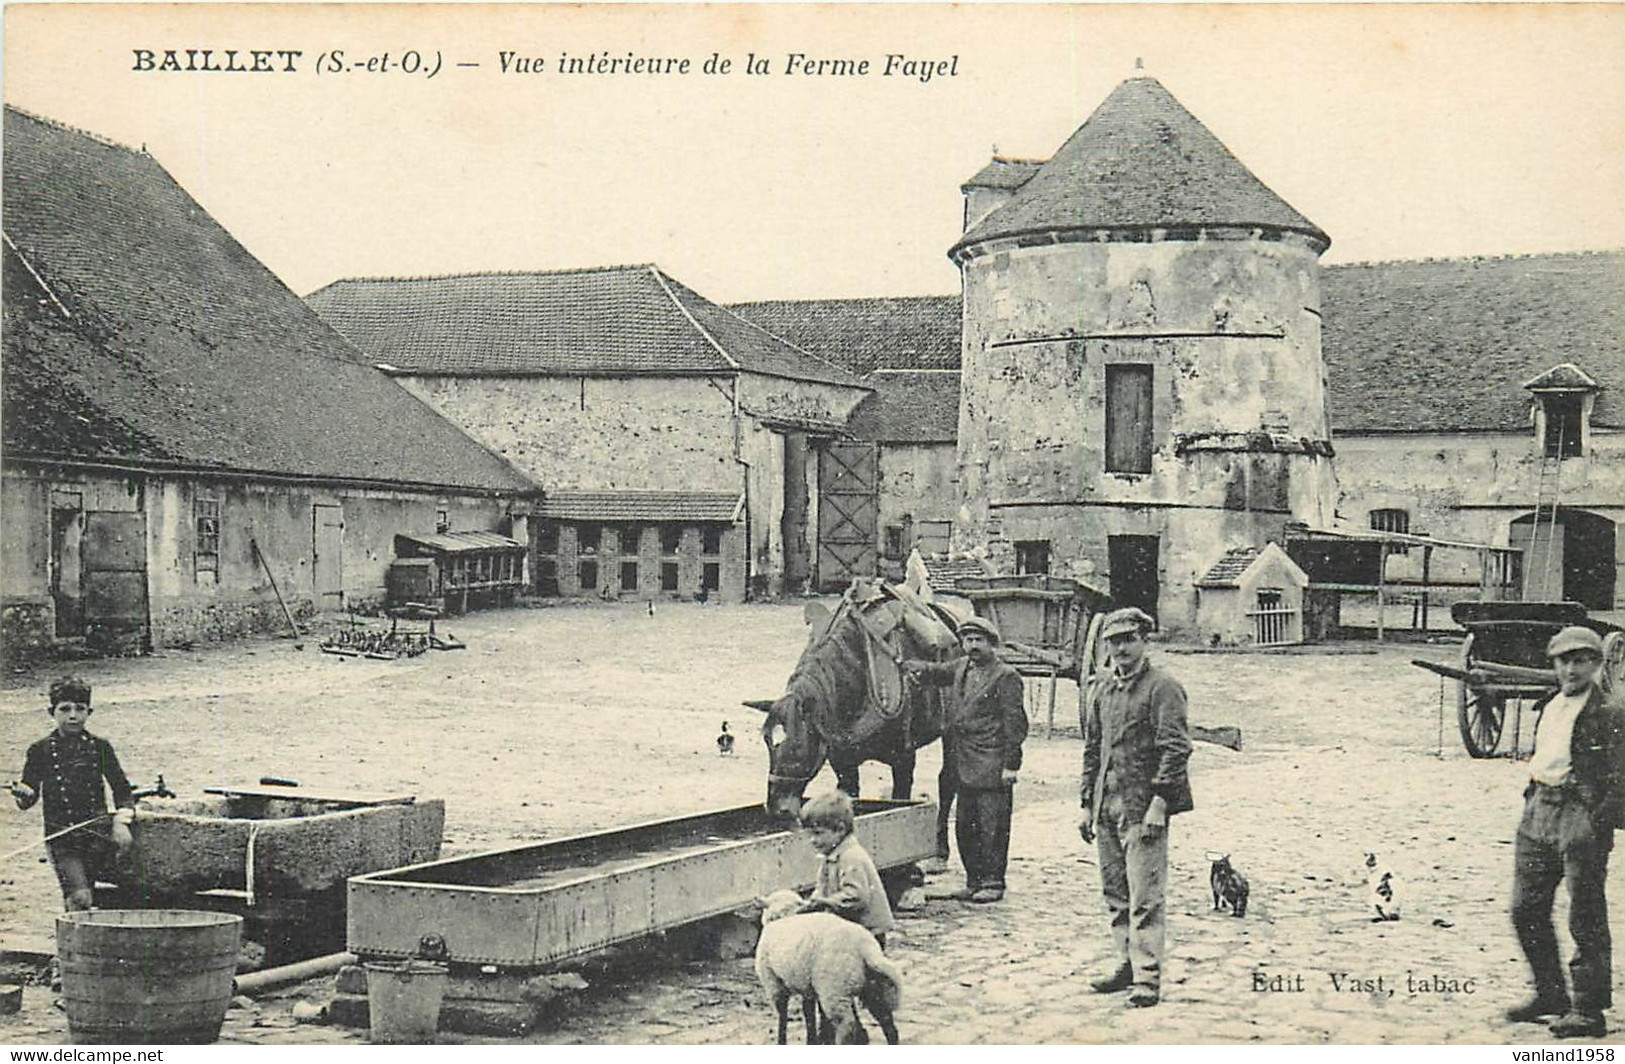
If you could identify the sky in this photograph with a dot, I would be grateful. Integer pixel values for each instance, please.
(1402, 131)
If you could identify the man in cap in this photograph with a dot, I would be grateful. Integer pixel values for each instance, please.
(1573, 803)
(983, 728)
(1135, 747)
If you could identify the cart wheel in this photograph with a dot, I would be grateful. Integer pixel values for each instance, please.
(1088, 668)
(1613, 662)
(1481, 716)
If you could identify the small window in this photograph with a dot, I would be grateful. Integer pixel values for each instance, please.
(587, 574)
(1032, 556)
(1128, 419)
(1391, 521)
(547, 538)
(1563, 415)
(631, 537)
(629, 576)
(710, 577)
(711, 539)
(588, 537)
(894, 541)
(671, 537)
(668, 576)
(442, 520)
(206, 556)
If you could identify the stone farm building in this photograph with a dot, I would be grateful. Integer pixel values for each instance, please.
(1155, 371)
(684, 449)
(185, 440)
(1147, 376)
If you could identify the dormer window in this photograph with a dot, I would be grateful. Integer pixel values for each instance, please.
(1563, 415)
(1563, 398)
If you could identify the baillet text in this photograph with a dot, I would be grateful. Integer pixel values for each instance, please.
(216, 60)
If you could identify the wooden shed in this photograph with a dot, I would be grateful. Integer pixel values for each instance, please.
(453, 568)
(1252, 596)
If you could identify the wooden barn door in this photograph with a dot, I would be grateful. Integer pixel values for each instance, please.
(113, 560)
(327, 555)
(848, 512)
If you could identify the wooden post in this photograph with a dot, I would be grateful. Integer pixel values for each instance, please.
(1427, 562)
(1054, 681)
(1382, 569)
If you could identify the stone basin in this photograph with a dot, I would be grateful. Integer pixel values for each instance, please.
(295, 845)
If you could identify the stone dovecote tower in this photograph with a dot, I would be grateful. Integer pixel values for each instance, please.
(1142, 380)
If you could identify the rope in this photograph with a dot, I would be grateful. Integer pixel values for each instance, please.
(54, 835)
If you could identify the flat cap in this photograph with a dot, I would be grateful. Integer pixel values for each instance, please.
(1128, 619)
(979, 624)
(1574, 637)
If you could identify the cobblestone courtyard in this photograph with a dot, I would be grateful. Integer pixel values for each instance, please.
(561, 720)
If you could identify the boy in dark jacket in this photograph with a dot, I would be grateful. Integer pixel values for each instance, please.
(67, 768)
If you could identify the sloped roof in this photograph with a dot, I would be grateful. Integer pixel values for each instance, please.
(461, 542)
(1228, 570)
(1004, 173)
(722, 506)
(138, 331)
(1562, 378)
(909, 406)
(905, 332)
(1446, 345)
(614, 320)
(1141, 160)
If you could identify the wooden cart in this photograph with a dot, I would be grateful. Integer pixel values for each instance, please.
(1050, 626)
(1503, 664)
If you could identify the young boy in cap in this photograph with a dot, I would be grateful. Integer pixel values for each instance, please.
(849, 884)
(984, 725)
(1135, 747)
(1574, 801)
(66, 768)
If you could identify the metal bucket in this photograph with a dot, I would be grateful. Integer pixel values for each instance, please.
(403, 1001)
(147, 975)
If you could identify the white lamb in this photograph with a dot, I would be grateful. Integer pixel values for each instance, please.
(828, 961)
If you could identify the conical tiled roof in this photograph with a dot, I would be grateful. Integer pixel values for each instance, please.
(1141, 160)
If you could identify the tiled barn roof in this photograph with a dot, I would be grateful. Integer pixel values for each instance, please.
(1446, 345)
(138, 331)
(1563, 378)
(905, 332)
(613, 320)
(909, 406)
(691, 506)
(1141, 160)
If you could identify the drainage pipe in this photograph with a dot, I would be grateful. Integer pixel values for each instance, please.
(265, 979)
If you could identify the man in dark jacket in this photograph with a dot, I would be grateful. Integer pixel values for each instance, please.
(1135, 747)
(984, 725)
(1573, 803)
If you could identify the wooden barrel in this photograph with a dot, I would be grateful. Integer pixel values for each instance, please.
(147, 975)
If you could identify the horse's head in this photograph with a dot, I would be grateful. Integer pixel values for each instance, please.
(795, 751)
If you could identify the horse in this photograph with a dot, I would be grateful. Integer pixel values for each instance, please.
(848, 700)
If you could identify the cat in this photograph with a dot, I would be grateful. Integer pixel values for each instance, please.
(1229, 886)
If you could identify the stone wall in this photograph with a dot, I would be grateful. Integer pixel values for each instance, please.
(1240, 439)
(1471, 487)
(191, 598)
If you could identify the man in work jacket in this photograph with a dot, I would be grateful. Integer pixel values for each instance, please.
(1135, 748)
(1574, 801)
(984, 726)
